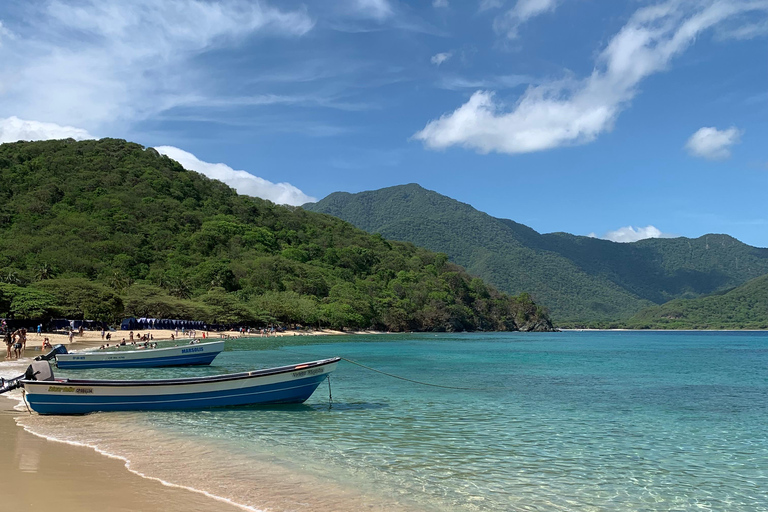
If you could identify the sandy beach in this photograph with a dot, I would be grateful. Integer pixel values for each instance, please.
(47, 475)
(91, 338)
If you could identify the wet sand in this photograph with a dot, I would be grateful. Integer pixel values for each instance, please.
(39, 474)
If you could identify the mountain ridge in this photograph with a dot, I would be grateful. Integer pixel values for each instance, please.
(578, 278)
(743, 307)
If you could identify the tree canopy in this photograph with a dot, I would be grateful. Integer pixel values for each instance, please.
(105, 229)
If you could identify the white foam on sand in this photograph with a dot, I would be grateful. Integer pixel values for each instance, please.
(127, 462)
(10, 369)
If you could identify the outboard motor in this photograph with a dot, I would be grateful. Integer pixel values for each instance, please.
(38, 370)
(58, 349)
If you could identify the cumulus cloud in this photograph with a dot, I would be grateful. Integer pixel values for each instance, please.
(13, 129)
(437, 4)
(242, 181)
(440, 58)
(95, 63)
(630, 234)
(713, 144)
(509, 22)
(573, 111)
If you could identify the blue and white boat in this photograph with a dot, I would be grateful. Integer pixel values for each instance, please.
(284, 385)
(183, 355)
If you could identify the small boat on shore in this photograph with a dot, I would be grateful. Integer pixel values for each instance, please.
(292, 384)
(183, 355)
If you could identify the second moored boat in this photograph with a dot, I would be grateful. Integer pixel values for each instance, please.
(182, 355)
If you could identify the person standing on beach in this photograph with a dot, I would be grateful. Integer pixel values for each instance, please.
(72, 336)
(17, 344)
(39, 329)
(8, 343)
(23, 338)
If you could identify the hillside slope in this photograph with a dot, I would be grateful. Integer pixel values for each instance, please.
(105, 229)
(580, 279)
(744, 307)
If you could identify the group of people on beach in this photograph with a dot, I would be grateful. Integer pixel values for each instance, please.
(139, 345)
(15, 343)
(140, 337)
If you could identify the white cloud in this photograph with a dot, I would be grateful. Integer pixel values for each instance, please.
(440, 4)
(440, 58)
(98, 63)
(713, 144)
(4, 33)
(486, 5)
(630, 234)
(509, 22)
(13, 129)
(455, 83)
(577, 111)
(376, 9)
(244, 182)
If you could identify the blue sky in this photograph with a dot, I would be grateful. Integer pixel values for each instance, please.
(583, 116)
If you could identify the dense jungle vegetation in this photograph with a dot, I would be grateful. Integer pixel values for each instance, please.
(107, 229)
(585, 282)
(744, 307)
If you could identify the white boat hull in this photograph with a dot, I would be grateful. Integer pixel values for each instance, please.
(287, 384)
(183, 355)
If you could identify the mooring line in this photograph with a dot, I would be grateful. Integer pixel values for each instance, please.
(361, 365)
(410, 380)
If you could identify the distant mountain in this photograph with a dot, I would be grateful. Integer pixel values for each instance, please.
(580, 279)
(744, 307)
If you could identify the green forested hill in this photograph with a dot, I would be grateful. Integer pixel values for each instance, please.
(581, 279)
(744, 307)
(106, 229)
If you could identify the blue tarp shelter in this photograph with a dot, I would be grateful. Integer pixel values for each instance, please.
(143, 323)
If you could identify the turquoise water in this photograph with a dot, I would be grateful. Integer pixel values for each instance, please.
(586, 421)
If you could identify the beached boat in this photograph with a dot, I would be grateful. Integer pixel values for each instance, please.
(183, 355)
(284, 385)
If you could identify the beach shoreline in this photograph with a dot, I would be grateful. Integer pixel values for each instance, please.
(91, 479)
(93, 339)
(47, 474)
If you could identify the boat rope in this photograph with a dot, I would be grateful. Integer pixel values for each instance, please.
(330, 395)
(24, 397)
(410, 380)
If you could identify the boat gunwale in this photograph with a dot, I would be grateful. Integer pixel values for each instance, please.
(142, 351)
(189, 380)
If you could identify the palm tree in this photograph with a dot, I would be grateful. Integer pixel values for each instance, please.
(44, 271)
(179, 288)
(119, 281)
(12, 277)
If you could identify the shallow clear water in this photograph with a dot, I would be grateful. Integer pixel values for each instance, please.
(587, 421)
